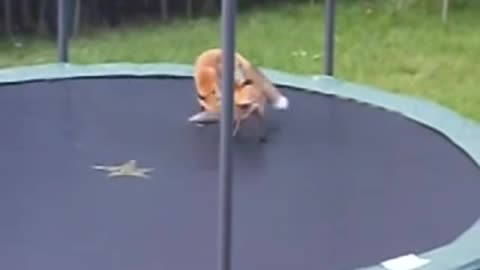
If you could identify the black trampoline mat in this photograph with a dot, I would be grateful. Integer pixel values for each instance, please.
(339, 185)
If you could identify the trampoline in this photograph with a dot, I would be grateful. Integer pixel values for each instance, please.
(100, 170)
(349, 178)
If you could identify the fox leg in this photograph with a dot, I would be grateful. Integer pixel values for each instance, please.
(236, 127)
(204, 117)
(253, 110)
(238, 121)
(201, 109)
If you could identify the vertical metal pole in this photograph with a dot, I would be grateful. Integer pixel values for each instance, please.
(62, 24)
(329, 36)
(445, 11)
(226, 129)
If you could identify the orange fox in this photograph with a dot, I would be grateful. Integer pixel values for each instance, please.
(252, 89)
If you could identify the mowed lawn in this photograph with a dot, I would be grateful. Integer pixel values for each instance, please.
(410, 51)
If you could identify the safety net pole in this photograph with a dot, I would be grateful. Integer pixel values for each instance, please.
(62, 37)
(228, 17)
(329, 36)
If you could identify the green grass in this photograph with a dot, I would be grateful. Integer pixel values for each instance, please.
(408, 52)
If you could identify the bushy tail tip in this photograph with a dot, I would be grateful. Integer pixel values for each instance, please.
(281, 104)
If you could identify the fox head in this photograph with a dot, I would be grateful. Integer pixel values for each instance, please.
(208, 94)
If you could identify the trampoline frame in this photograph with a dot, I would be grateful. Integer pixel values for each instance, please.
(461, 254)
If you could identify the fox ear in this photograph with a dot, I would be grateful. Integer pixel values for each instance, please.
(204, 117)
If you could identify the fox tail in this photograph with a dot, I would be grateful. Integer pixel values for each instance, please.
(272, 93)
